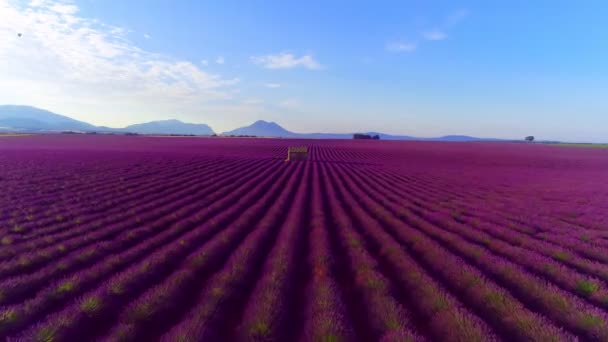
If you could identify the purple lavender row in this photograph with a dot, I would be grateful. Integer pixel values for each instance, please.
(173, 242)
(543, 244)
(385, 318)
(88, 186)
(501, 310)
(145, 201)
(445, 318)
(98, 206)
(571, 312)
(536, 255)
(325, 312)
(548, 224)
(267, 313)
(58, 233)
(44, 184)
(151, 313)
(540, 243)
(28, 263)
(108, 204)
(14, 289)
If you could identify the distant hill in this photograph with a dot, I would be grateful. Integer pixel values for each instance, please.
(457, 138)
(31, 119)
(35, 120)
(262, 128)
(170, 127)
(383, 136)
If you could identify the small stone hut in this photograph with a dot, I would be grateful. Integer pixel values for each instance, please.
(297, 153)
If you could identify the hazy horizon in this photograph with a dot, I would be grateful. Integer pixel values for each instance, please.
(409, 68)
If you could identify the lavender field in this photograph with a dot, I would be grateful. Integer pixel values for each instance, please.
(124, 238)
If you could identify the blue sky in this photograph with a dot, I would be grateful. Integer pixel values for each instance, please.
(426, 68)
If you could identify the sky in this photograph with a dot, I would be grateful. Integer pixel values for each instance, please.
(503, 69)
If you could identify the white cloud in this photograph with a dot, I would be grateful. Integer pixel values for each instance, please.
(286, 61)
(440, 32)
(272, 85)
(36, 3)
(204, 62)
(65, 60)
(401, 47)
(220, 60)
(147, 36)
(435, 34)
(64, 9)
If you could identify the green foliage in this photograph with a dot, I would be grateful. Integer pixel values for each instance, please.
(46, 334)
(561, 256)
(586, 287)
(8, 316)
(259, 328)
(589, 321)
(329, 338)
(65, 287)
(90, 305)
(117, 288)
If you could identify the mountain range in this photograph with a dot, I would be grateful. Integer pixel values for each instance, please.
(34, 120)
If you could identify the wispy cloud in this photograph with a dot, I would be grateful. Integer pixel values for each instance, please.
(220, 60)
(441, 32)
(65, 9)
(286, 61)
(456, 17)
(401, 47)
(63, 57)
(272, 85)
(204, 62)
(147, 36)
(435, 34)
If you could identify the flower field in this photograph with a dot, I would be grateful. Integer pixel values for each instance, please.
(124, 238)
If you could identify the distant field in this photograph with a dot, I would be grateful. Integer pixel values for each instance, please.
(122, 238)
(13, 135)
(583, 145)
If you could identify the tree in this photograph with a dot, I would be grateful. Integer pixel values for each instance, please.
(530, 138)
(365, 136)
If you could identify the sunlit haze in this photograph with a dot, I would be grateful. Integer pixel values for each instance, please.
(501, 69)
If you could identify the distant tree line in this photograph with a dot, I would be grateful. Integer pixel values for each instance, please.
(366, 136)
(240, 136)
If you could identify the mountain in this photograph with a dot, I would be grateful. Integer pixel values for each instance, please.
(170, 127)
(383, 136)
(31, 119)
(263, 128)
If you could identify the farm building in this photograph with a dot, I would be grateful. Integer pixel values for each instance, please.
(297, 153)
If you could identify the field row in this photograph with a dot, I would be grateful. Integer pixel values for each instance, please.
(337, 248)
